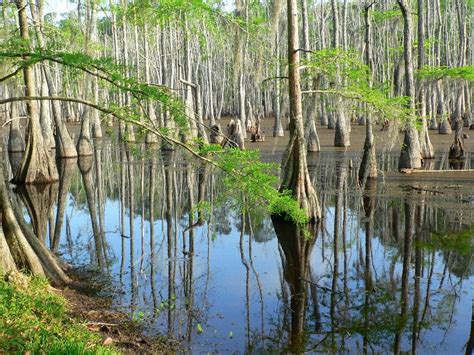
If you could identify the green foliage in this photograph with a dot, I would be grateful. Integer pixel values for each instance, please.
(253, 184)
(386, 15)
(113, 75)
(165, 10)
(346, 67)
(464, 73)
(34, 319)
(187, 14)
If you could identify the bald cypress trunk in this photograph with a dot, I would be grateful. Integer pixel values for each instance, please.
(427, 151)
(240, 6)
(410, 156)
(16, 143)
(368, 166)
(20, 249)
(312, 138)
(37, 165)
(277, 125)
(341, 136)
(295, 175)
(456, 151)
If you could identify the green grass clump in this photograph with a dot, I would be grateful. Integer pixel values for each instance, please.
(34, 319)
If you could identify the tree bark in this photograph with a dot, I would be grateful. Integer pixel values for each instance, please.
(427, 151)
(19, 247)
(312, 138)
(295, 175)
(277, 125)
(37, 165)
(341, 136)
(16, 142)
(368, 166)
(410, 155)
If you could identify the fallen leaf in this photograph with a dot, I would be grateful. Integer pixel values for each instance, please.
(108, 341)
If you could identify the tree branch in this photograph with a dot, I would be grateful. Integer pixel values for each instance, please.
(120, 117)
(274, 78)
(11, 75)
(304, 50)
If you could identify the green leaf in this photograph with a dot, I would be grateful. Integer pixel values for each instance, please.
(199, 328)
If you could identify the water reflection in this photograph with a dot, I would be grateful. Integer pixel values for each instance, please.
(66, 169)
(295, 256)
(39, 200)
(388, 270)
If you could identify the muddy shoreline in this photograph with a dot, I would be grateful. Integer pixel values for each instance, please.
(88, 301)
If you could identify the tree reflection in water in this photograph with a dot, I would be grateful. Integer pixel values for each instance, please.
(388, 269)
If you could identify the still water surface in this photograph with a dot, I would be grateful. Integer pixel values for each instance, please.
(386, 270)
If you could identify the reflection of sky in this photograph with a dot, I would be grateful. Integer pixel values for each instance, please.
(220, 296)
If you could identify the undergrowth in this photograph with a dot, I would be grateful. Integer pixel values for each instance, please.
(34, 320)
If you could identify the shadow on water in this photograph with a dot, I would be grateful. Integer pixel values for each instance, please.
(388, 269)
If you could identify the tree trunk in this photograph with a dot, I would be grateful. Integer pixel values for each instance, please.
(16, 142)
(240, 64)
(37, 165)
(150, 138)
(19, 247)
(295, 175)
(341, 136)
(45, 116)
(312, 139)
(410, 155)
(64, 144)
(277, 126)
(84, 143)
(368, 166)
(427, 151)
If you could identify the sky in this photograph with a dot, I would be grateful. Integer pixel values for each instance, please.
(61, 6)
(58, 6)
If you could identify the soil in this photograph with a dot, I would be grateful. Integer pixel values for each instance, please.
(86, 303)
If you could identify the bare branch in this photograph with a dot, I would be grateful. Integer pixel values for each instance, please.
(274, 78)
(304, 50)
(11, 75)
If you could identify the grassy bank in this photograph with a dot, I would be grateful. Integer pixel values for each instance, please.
(35, 319)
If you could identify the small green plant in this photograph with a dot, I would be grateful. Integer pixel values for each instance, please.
(138, 316)
(168, 304)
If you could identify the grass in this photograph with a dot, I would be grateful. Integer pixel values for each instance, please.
(34, 319)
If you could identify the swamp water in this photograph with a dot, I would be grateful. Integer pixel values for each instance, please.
(389, 269)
